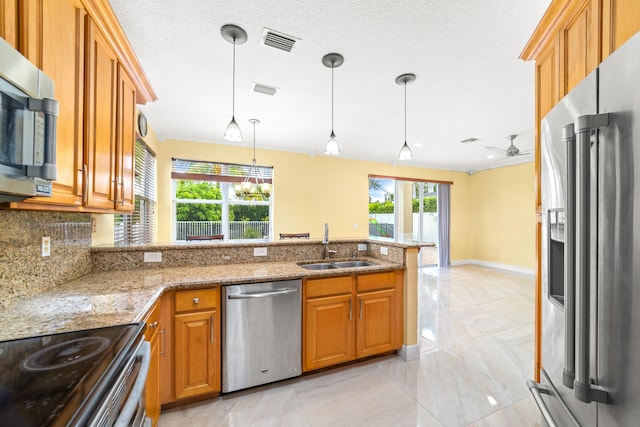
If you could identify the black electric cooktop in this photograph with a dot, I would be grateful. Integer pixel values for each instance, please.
(51, 380)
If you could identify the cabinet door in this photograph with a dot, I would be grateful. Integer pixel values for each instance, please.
(197, 353)
(152, 386)
(376, 328)
(100, 139)
(328, 336)
(125, 142)
(620, 21)
(9, 21)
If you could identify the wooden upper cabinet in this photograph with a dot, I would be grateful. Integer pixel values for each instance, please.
(125, 141)
(579, 44)
(100, 130)
(620, 21)
(56, 45)
(9, 21)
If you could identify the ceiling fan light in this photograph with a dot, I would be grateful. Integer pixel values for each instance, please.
(332, 148)
(233, 132)
(405, 152)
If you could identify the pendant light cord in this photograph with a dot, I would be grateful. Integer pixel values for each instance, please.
(233, 91)
(332, 67)
(405, 112)
(254, 143)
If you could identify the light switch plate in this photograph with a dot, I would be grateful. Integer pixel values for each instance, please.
(384, 250)
(259, 251)
(362, 246)
(153, 257)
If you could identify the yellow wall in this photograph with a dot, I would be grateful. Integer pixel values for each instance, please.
(503, 213)
(309, 191)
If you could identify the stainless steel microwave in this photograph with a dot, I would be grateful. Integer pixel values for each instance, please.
(28, 115)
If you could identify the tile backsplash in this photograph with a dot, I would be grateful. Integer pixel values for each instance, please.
(23, 270)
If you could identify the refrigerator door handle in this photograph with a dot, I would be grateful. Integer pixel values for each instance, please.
(568, 373)
(536, 391)
(582, 387)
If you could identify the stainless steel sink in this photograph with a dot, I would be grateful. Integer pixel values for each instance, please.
(333, 265)
(318, 266)
(349, 264)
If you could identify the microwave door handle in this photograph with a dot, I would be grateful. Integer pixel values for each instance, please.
(582, 387)
(569, 138)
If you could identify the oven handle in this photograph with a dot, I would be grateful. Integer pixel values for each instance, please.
(276, 292)
(144, 357)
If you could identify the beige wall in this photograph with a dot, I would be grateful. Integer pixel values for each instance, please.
(492, 212)
(309, 191)
(502, 210)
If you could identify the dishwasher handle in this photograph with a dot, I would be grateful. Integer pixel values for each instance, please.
(273, 293)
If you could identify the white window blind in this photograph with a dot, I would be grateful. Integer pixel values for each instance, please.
(199, 170)
(139, 226)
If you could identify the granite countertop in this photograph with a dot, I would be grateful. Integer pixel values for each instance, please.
(117, 297)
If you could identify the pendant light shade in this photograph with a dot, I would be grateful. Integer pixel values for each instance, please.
(332, 60)
(234, 35)
(403, 79)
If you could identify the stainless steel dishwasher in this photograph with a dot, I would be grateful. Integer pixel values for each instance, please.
(261, 333)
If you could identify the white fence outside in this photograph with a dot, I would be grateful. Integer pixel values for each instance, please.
(237, 229)
(429, 225)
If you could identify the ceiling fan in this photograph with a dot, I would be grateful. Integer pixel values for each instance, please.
(511, 150)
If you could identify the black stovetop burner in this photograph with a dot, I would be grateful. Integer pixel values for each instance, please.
(49, 380)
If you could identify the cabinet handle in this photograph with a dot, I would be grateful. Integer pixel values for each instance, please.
(211, 329)
(122, 193)
(360, 308)
(85, 184)
(350, 307)
(196, 300)
(117, 193)
(164, 341)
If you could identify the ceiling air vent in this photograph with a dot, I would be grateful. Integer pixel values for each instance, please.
(278, 40)
(260, 88)
(468, 140)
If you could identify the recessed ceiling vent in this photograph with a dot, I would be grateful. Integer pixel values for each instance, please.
(278, 40)
(468, 140)
(260, 88)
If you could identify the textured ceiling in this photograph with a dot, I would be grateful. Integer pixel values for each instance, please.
(470, 82)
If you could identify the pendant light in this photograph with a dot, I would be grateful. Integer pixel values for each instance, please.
(253, 186)
(403, 79)
(234, 35)
(332, 60)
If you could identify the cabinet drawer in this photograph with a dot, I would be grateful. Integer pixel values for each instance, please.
(152, 321)
(198, 299)
(374, 281)
(329, 286)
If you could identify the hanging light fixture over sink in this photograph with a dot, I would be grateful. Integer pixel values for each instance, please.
(254, 185)
(234, 35)
(332, 60)
(403, 79)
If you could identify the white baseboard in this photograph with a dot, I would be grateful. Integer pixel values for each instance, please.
(409, 353)
(515, 268)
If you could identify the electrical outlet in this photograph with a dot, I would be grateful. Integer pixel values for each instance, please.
(384, 250)
(362, 246)
(259, 251)
(46, 246)
(153, 257)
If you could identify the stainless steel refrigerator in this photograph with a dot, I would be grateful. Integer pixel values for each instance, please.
(590, 156)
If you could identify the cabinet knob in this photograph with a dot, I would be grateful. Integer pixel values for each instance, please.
(152, 325)
(196, 300)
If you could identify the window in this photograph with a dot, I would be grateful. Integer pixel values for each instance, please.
(139, 226)
(206, 204)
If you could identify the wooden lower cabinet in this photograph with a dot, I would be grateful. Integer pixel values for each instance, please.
(197, 344)
(328, 331)
(376, 323)
(350, 317)
(152, 386)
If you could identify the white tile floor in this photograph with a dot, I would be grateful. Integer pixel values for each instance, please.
(476, 339)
